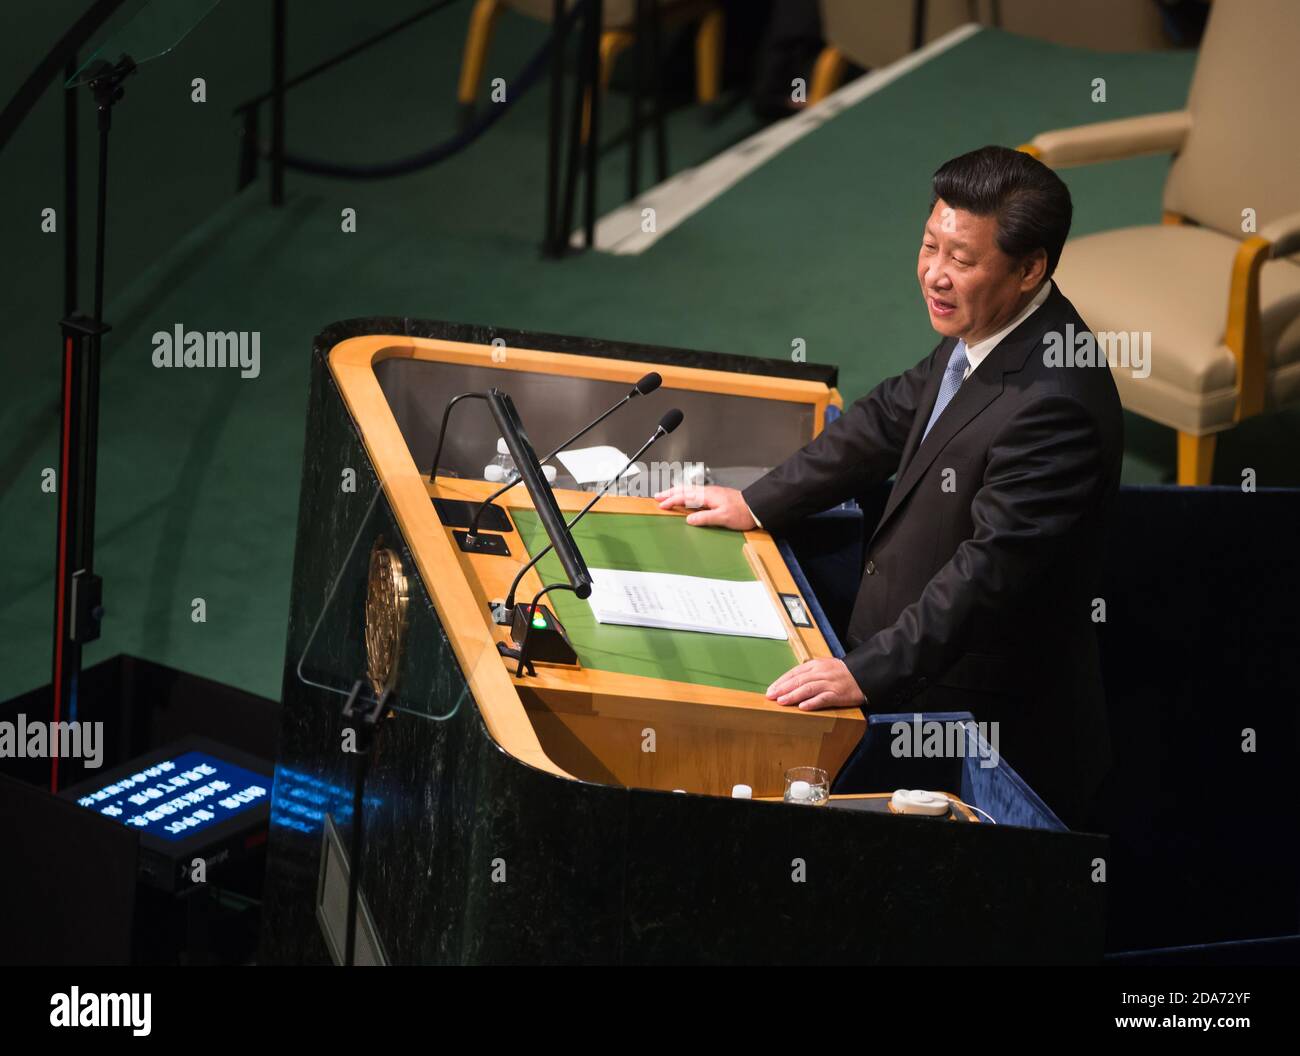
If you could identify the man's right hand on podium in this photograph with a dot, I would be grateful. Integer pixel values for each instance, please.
(714, 506)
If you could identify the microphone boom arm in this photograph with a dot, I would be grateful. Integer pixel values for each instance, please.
(442, 433)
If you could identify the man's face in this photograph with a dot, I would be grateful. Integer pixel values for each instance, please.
(971, 288)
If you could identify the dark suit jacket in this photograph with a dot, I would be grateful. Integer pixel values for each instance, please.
(980, 578)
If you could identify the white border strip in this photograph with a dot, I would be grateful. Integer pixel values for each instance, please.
(685, 194)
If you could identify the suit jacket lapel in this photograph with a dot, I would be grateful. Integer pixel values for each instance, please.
(975, 394)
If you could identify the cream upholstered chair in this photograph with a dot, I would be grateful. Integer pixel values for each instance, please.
(1212, 285)
(617, 34)
(878, 32)
(1104, 25)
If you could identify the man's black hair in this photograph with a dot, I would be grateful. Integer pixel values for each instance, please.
(1030, 202)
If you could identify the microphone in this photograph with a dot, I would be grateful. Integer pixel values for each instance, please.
(512, 431)
(667, 424)
(644, 387)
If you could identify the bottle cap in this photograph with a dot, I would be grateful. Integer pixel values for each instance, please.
(741, 792)
(501, 446)
(493, 473)
(800, 790)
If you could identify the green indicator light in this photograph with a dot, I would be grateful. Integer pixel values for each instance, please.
(539, 621)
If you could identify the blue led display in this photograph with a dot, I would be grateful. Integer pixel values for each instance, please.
(175, 798)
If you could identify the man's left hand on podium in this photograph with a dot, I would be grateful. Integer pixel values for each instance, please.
(714, 506)
(821, 683)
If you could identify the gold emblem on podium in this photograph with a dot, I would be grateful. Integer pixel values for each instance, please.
(386, 600)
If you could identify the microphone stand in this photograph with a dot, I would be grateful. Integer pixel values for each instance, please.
(78, 589)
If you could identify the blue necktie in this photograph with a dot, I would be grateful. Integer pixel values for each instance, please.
(951, 383)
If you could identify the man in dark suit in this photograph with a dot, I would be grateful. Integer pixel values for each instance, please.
(979, 589)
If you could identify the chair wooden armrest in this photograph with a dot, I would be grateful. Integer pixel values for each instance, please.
(1282, 235)
(1281, 238)
(1242, 334)
(1128, 137)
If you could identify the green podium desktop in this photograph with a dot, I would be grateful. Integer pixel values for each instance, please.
(647, 543)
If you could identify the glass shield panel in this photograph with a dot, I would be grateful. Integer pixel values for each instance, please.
(154, 30)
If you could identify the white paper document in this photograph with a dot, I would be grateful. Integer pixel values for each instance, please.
(595, 465)
(684, 603)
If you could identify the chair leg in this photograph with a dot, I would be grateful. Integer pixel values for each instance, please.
(708, 56)
(1195, 459)
(827, 74)
(612, 43)
(482, 21)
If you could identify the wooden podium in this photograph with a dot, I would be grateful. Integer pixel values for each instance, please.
(656, 718)
(535, 817)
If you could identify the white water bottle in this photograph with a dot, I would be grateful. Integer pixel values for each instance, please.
(502, 467)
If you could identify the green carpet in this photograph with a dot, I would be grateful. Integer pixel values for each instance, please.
(199, 469)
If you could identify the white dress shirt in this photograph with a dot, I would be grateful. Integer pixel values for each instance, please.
(979, 351)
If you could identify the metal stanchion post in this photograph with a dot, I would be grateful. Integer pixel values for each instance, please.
(277, 101)
(551, 241)
(593, 131)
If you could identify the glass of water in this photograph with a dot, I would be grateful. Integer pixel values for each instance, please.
(807, 786)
